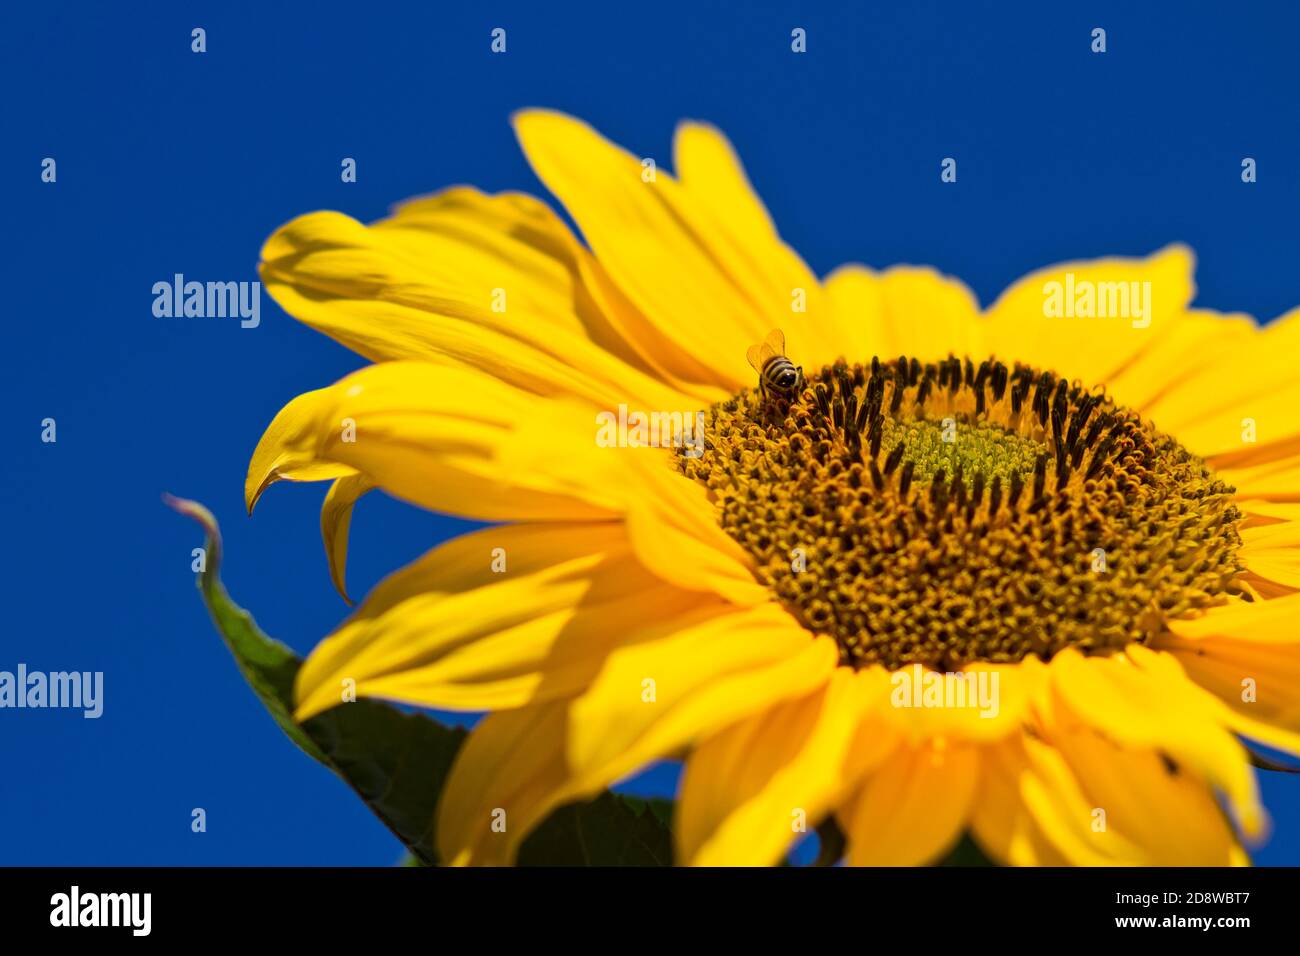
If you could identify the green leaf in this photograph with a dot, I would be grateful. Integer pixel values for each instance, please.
(832, 842)
(398, 762)
(967, 853)
(608, 831)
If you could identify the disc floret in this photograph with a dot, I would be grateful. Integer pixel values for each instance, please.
(949, 512)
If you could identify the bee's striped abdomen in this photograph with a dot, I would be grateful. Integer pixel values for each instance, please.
(781, 377)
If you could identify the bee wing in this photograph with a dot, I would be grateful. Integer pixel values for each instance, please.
(775, 342)
(772, 345)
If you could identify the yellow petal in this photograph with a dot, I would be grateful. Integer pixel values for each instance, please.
(1181, 351)
(982, 702)
(1272, 551)
(1150, 708)
(1065, 814)
(336, 520)
(1096, 350)
(654, 697)
(650, 700)
(704, 288)
(512, 241)
(1260, 513)
(459, 442)
(670, 519)
(280, 454)
(1105, 805)
(751, 789)
(1250, 378)
(489, 283)
(853, 292)
(507, 778)
(712, 175)
(1277, 481)
(914, 807)
(1247, 658)
(1001, 823)
(429, 435)
(674, 529)
(906, 310)
(498, 618)
(1266, 622)
(741, 234)
(877, 736)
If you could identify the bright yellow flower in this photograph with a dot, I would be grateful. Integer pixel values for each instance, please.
(1121, 567)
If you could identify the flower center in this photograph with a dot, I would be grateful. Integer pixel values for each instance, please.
(948, 513)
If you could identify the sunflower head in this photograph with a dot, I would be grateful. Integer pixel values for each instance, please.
(1098, 513)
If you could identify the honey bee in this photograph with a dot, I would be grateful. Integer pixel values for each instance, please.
(777, 375)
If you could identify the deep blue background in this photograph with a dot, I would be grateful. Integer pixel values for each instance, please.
(170, 161)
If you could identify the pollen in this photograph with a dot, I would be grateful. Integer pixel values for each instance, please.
(947, 513)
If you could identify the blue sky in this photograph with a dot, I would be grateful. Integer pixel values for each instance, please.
(170, 161)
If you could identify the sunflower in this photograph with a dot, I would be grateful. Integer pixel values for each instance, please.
(1091, 513)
